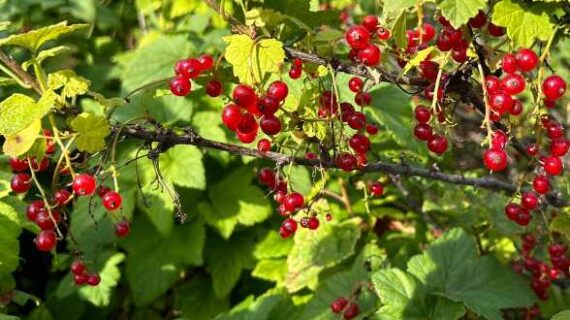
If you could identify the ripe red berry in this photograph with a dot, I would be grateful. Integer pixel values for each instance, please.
(180, 86)
(278, 90)
(351, 311)
(427, 34)
(244, 96)
(84, 184)
(295, 73)
(517, 107)
(359, 143)
(339, 304)
(553, 87)
(313, 223)
(45, 240)
(188, 68)
(80, 278)
(33, 209)
(526, 60)
(529, 200)
(509, 63)
(513, 83)
(423, 132)
(541, 184)
(371, 128)
(437, 144)
(247, 124)
(268, 105)
(499, 139)
(552, 165)
(370, 22)
(556, 250)
(205, 61)
(122, 228)
(112, 200)
(77, 267)
(363, 99)
(512, 210)
(554, 130)
(102, 190)
(376, 189)
(21, 182)
(357, 120)
(422, 114)
(355, 84)
(42, 166)
(346, 161)
(357, 37)
(270, 124)
(495, 30)
(18, 165)
(459, 52)
(231, 116)
(532, 150)
(263, 145)
(383, 33)
(523, 217)
(478, 21)
(294, 201)
(493, 84)
(500, 102)
(45, 222)
(370, 55)
(495, 159)
(288, 228)
(93, 280)
(61, 197)
(214, 88)
(559, 147)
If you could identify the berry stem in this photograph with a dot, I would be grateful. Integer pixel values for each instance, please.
(44, 198)
(487, 119)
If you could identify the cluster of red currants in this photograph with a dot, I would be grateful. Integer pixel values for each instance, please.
(348, 309)
(359, 39)
(81, 276)
(188, 69)
(248, 112)
(423, 131)
(296, 69)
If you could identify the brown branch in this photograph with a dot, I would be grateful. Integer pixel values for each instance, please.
(168, 138)
(24, 76)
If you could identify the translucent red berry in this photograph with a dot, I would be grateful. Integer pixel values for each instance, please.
(526, 60)
(513, 83)
(370, 55)
(495, 159)
(122, 228)
(18, 165)
(529, 200)
(61, 197)
(370, 22)
(552, 165)
(278, 90)
(84, 184)
(357, 37)
(553, 87)
(263, 145)
(270, 124)
(346, 161)
(21, 182)
(77, 267)
(214, 88)
(376, 188)
(180, 86)
(112, 200)
(541, 184)
(45, 240)
(438, 144)
(355, 84)
(339, 304)
(231, 116)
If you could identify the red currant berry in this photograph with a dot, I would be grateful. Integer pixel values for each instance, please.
(247, 137)
(363, 99)
(423, 132)
(478, 21)
(206, 62)
(383, 33)
(266, 177)
(371, 128)
(80, 278)
(45, 240)
(553, 87)
(244, 96)
(289, 225)
(370, 55)
(61, 197)
(188, 68)
(556, 250)
(376, 189)
(370, 22)
(294, 201)
(501, 102)
(346, 161)
(263, 145)
(278, 90)
(339, 304)
(33, 209)
(559, 147)
(526, 60)
(93, 280)
(268, 105)
(346, 110)
(443, 21)
(297, 63)
(102, 190)
(427, 34)
(84, 184)
(112, 200)
(513, 83)
(18, 165)
(495, 159)
(357, 120)
(512, 210)
(517, 108)
(359, 143)
(493, 84)
(422, 114)
(437, 144)
(180, 86)
(541, 184)
(77, 267)
(45, 222)
(295, 73)
(313, 223)
(554, 130)
(550, 104)
(232, 116)
(214, 88)
(523, 217)
(459, 55)
(552, 165)
(21, 182)
(355, 84)
(532, 150)
(122, 228)
(270, 125)
(509, 63)
(357, 37)
(351, 311)
(311, 156)
(43, 165)
(499, 139)
(495, 30)
(529, 200)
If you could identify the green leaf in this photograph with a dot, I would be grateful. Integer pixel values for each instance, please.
(403, 297)
(223, 223)
(564, 315)
(182, 165)
(271, 270)
(252, 60)
(272, 246)
(316, 250)
(208, 124)
(9, 245)
(101, 295)
(34, 39)
(18, 111)
(92, 131)
(299, 12)
(398, 27)
(394, 6)
(417, 59)
(226, 259)
(458, 12)
(71, 84)
(452, 258)
(254, 309)
(196, 299)
(19, 143)
(524, 23)
(561, 223)
(48, 53)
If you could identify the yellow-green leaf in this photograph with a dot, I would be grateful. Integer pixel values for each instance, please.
(70, 83)
(34, 39)
(48, 53)
(19, 143)
(92, 131)
(458, 12)
(252, 60)
(18, 111)
(417, 59)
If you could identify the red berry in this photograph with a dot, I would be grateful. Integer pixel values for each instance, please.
(310, 156)
(206, 62)
(383, 33)
(268, 105)
(267, 177)
(263, 145)
(513, 83)
(437, 144)
(21, 182)
(346, 161)
(495, 159)
(231, 116)
(509, 63)
(371, 128)
(278, 90)
(112, 200)
(517, 108)
(61, 197)
(370, 22)
(501, 102)
(529, 200)
(295, 73)
(80, 278)
(18, 165)
(554, 130)
(313, 223)
(33, 209)
(359, 143)
(512, 210)
(339, 304)
(370, 55)
(180, 86)
(44, 164)
(355, 84)
(122, 228)
(297, 63)
(357, 37)
(526, 60)
(493, 84)
(541, 184)
(553, 87)
(188, 68)
(45, 240)
(45, 222)
(93, 279)
(77, 267)
(478, 21)
(556, 250)
(422, 114)
(357, 120)
(523, 217)
(559, 147)
(532, 150)
(427, 34)
(346, 111)
(84, 184)
(499, 139)
(289, 225)
(552, 165)
(495, 30)
(244, 96)
(294, 201)
(459, 53)
(363, 99)
(423, 132)
(351, 311)
(443, 21)
(102, 190)
(376, 188)
(214, 88)
(270, 124)
(429, 70)
(50, 143)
